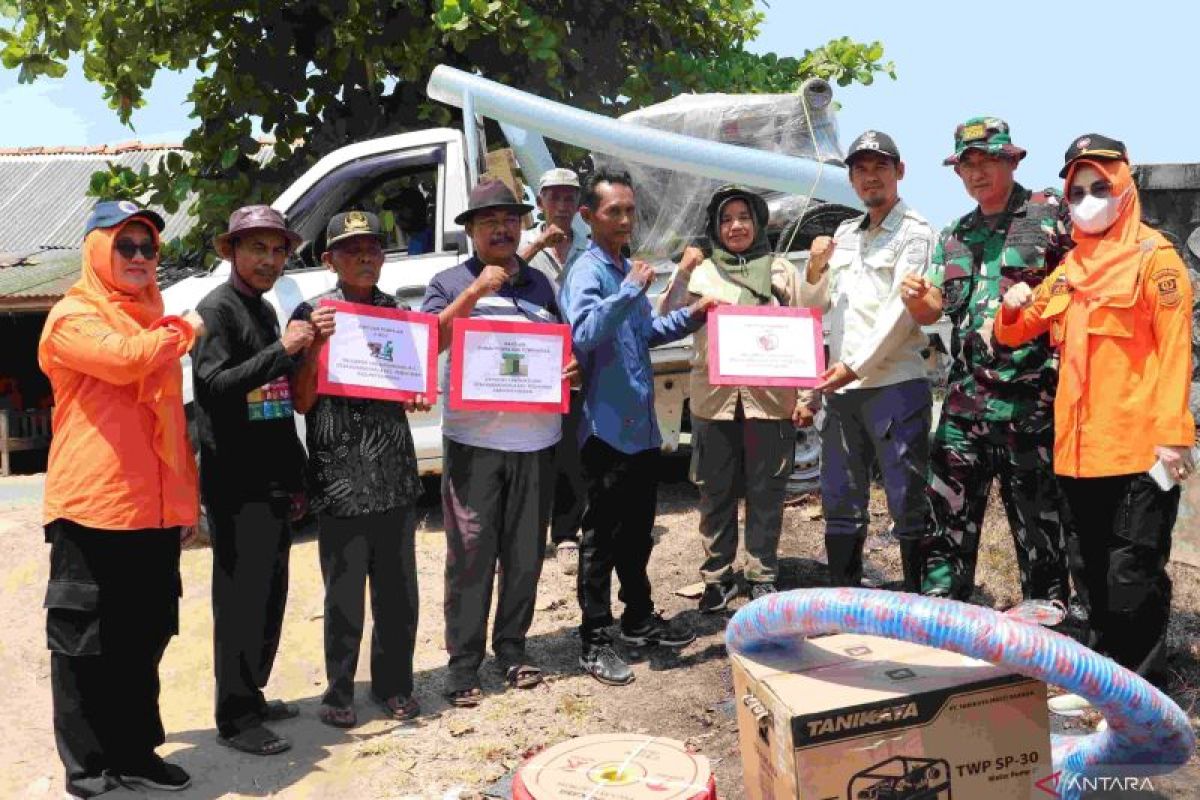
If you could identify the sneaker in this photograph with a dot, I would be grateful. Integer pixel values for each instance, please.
(656, 630)
(156, 774)
(602, 663)
(566, 555)
(763, 589)
(717, 596)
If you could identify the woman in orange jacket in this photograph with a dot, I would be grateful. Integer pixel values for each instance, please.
(121, 494)
(1119, 309)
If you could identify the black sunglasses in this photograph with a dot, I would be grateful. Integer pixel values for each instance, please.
(128, 249)
(1100, 190)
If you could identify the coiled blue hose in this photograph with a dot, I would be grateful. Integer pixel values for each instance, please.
(1148, 734)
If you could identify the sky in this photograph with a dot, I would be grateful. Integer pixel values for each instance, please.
(1052, 70)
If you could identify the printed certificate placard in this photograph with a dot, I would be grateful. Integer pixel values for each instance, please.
(379, 353)
(764, 346)
(499, 365)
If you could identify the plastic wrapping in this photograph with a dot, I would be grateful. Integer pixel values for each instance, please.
(671, 204)
(1148, 734)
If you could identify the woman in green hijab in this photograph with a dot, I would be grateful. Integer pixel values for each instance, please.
(743, 438)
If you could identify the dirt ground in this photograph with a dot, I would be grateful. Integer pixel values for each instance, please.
(458, 753)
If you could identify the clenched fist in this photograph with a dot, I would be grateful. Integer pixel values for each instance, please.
(914, 287)
(489, 281)
(1018, 296)
(298, 335)
(820, 251)
(692, 257)
(641, 273)
(552, 236)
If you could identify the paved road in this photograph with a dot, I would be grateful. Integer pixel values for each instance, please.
(21, 490)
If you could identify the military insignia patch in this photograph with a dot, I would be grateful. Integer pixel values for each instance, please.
(356, 221)
(1167, 281)
(972, 132)
(1060, 286)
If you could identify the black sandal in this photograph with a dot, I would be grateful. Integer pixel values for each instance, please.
(522, 676)
(277, 710)
(257, 741)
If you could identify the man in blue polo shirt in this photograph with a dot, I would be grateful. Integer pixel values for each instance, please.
(497, 467)
(613, 329)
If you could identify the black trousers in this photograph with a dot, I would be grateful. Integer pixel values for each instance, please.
(1122, 527)
(250, 544)
(112, 604)
(495, 504)
(617, 534)
(570, 489)
(381, 546)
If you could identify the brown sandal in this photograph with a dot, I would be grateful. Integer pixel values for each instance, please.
(399, 708)
(338, 716)
(465, 698)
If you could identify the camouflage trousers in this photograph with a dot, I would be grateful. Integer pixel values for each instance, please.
(967, 455)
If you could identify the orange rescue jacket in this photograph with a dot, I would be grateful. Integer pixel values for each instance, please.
(120, 457)
(1134, 394)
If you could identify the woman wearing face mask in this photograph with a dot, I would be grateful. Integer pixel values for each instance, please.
(1119, 310)
(743, 439)
(121, 493)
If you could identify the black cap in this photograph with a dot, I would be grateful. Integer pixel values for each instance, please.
(1094, 146)
(873, 142)
(351, 224)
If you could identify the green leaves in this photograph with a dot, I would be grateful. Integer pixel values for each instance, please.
(305, 77)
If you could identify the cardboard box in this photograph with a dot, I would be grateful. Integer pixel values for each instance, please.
(852, 717)
(502, 165)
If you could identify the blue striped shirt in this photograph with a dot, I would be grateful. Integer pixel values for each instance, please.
(529, 297)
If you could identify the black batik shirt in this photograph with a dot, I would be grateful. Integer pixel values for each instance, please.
(361, 458)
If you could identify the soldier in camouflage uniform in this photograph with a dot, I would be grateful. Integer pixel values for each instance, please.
(997, 420)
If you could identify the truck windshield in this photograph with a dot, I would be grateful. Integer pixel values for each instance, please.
(400, 187)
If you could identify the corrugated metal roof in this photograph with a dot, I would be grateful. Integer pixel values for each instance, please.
(43, 191)
(44, 201)
(44, 275)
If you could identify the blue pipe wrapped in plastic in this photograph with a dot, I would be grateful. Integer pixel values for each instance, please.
(1148, 734)
(743, 165)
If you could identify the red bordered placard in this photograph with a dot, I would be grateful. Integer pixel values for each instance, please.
(809, 318)
(458, 339)
(429, 357)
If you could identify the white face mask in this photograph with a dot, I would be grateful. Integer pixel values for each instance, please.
(1096, 215)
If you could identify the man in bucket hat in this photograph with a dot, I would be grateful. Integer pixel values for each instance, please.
(497, 467)
(251, 468)
(997, 420)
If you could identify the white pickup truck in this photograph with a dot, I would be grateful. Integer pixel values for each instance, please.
(442, 163)
(367, 175)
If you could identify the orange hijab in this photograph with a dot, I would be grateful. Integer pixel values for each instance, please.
(96, 292)
(1102, 269)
